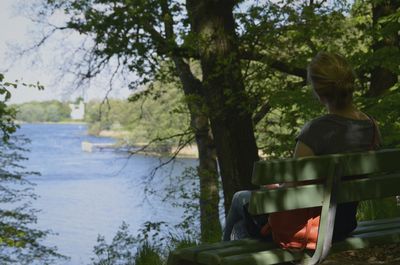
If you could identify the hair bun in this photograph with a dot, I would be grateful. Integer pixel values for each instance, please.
(332, 78)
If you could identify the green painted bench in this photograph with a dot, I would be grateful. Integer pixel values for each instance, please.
(381, 178)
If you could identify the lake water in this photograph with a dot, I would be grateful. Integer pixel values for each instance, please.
(85, 194)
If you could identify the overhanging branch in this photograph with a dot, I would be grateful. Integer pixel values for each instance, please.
(261, 113)
(276, 64)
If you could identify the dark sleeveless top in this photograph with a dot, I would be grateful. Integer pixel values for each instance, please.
(332, 134)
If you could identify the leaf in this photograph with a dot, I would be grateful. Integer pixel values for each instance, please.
(8, 95)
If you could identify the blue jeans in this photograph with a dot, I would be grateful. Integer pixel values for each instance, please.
(235, 227)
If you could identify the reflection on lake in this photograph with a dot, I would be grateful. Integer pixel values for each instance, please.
(85, 194)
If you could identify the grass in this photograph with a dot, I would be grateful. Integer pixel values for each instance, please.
(378, 209)
(148, 255)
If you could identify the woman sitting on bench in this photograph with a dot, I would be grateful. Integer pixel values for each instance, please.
(343, 129)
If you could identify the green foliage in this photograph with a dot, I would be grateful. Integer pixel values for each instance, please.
(285, 33)
(183, 241)
(293, 35)
(126, 248)
(7, 114)
(153, 117)
(112, 23)
(120, 251)
(378, 209)
(20, 242)
(386, 110)
(146, 255)
(288, 34)
(45, 111)
(183, 192)
(276, 133)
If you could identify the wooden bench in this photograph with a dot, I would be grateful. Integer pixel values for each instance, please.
(381, 178)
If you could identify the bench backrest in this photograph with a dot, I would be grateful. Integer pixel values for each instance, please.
(380, 170)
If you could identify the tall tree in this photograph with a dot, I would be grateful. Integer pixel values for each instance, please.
(229, 109)
(141, 34)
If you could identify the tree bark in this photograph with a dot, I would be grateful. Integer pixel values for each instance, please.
(210, 225)
(382, 78)
(207, 169)
(230, 117)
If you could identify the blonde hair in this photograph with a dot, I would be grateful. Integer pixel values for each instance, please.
(332, 78)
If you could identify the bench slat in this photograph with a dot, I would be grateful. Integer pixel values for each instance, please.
(269, 257)
(309, 168)
(367, 240)
(370, 188)
(375, 228)
(216, 256)
(378, 222)
(191, 253)
(269, 201)
(289, 170)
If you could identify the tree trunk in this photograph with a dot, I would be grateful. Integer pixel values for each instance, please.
(230, 117)
(210, 225)
(382, 78)
(207, 169)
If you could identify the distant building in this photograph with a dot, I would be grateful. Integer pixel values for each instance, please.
(77, 110)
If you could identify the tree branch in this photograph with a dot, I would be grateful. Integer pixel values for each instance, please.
(161, 139)
(276, 64)
(182, 144)
(168, 21)
(191, 84)
(261, 113)
(185, 138)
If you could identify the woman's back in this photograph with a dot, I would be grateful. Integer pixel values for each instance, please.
(331, 134)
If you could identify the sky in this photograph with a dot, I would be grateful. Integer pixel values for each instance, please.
(44, 65)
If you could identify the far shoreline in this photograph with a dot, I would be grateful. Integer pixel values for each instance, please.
(186, 152)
